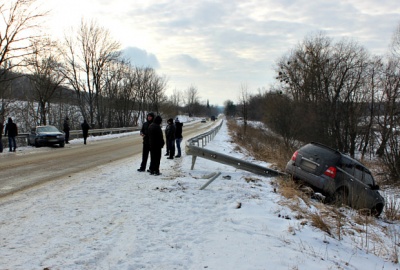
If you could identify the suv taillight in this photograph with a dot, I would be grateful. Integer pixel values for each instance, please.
(294, 156)
(331, 172)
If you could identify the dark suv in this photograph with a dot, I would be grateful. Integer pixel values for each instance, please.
(338, 176)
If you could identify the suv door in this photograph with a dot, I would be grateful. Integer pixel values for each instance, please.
(346, 180)
(366, 196)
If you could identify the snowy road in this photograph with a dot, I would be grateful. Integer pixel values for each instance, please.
(32, 166)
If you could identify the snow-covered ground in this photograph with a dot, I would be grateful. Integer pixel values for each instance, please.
(113, 217)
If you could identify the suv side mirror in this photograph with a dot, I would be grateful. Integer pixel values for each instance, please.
(374, 187)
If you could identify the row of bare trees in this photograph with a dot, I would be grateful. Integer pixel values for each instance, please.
(107, 90)
(335, 93)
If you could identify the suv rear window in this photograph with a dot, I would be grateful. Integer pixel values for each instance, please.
(318, 154)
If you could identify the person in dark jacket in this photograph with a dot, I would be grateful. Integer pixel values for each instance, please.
(66, 129)
(178, 136)
(12, 131)
(167, 146)
(157, 142)
(1, 136)
(144, 132)
(170, 138)
(85, 130)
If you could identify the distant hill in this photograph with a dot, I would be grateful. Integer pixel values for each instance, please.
(22, 88)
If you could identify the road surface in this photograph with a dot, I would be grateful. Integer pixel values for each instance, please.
(34, 166)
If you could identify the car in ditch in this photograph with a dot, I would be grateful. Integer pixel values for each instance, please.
(339, 177)
(46, 135)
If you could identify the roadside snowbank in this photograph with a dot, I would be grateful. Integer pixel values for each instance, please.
(113, 217)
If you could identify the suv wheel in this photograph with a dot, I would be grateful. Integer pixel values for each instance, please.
(377, 210)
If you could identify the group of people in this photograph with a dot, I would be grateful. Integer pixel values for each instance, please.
(85, 130)
(11, 130)
(173, 135)
(153, 141)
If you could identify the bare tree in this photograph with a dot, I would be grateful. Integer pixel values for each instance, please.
(174, 103)
(46, 75)
(329, 78)
(373, 85)
(388, 97)
(395, 44)
(191, 99)
(244, 100)
(143, 77)
(87, 57)
(19, 20)
(122, 94)
(176, 98)
(281, 115)
(156, 93)
(230, 108)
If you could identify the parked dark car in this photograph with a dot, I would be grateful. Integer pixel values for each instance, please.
(336, 175)
(46, 135)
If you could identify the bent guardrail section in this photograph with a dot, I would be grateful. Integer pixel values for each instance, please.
(193, 148)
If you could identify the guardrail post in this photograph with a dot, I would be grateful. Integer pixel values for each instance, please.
(193, 161)
(209, 181)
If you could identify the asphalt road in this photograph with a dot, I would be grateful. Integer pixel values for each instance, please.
(35, 166)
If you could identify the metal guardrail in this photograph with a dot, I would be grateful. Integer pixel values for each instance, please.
(193, 148)
(204, 138)
(23, 137)
(105, 131)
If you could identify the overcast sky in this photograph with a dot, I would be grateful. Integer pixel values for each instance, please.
(220, 46)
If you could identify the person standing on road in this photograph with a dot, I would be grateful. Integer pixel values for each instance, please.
(66, 129)
(12, 131)
(1, 136)
(178, 136)
(144, 132)
(85, 130)
(170, 137)
(167, 145)
(157, 142)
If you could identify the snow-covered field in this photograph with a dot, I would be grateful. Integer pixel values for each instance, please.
(113, 217)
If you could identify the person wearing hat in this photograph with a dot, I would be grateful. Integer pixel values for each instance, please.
(170, 138)
(66, 129)
(156, 140)
(1, 136)
(85, 130)
(12, 131)
(144, 132)
(178, 136)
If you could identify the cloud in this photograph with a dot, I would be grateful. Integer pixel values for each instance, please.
(218, 45)
(140, 58)
(187, 61)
